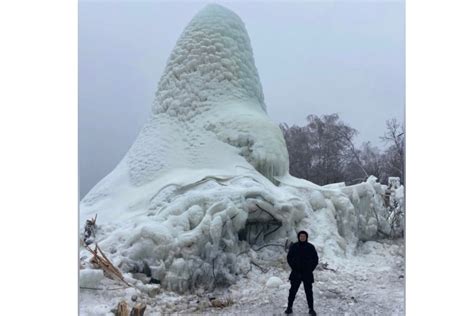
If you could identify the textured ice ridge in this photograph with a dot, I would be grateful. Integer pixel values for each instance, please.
(212, 62)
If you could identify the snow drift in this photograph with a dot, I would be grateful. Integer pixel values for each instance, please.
(204, 191)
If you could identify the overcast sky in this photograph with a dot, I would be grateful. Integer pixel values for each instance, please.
(312, 58)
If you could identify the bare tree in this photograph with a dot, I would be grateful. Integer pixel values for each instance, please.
(298, 142)
(323, 152)
(318, 151)
(394, 156)
(363, 162)
(371, 159)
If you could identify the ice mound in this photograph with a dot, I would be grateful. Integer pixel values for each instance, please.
(206, 182)
(209, 106)
(274, 282)
(211, 63)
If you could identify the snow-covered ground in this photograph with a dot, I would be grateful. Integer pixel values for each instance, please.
(368, 283)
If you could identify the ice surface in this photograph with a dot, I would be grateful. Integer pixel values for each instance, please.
(370, 282)
(212, 63)
(204, 192)
(90, 278)
(274, 282)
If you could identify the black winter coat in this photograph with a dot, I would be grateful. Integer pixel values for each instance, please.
(303, 259)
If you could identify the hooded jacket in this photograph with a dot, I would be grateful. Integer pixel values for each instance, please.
(303, 259)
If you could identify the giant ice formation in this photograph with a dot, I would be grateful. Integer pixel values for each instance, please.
(207, 178)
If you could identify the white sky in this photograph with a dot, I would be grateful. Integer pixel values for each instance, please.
(313, 58)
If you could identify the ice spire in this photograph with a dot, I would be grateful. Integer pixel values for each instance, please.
(211, 62)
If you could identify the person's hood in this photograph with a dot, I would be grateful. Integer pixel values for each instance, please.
(303, 232)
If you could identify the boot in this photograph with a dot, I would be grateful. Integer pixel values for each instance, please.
(312, 312)
(288, 310)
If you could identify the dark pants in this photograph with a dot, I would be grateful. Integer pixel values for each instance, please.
(308, 289)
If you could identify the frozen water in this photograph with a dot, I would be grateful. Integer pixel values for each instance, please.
(204, 193)
(274, 282)
(90, 278)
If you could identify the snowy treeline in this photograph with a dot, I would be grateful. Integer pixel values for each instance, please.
(324, 152)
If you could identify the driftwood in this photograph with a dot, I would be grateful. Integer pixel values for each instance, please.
(101, 260)
(260, 248)
(258, 266)
(221, 302)
(324, 266)
(102, 289)
(122, 309)
(138, 309)
(278, 223)
(267, 245)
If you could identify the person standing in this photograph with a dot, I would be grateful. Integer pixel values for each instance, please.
(303, 259)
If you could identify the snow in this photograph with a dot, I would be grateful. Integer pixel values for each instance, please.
(274, 282)
(394, 182)
(90, 278)
(370, 282)
(203, 199)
